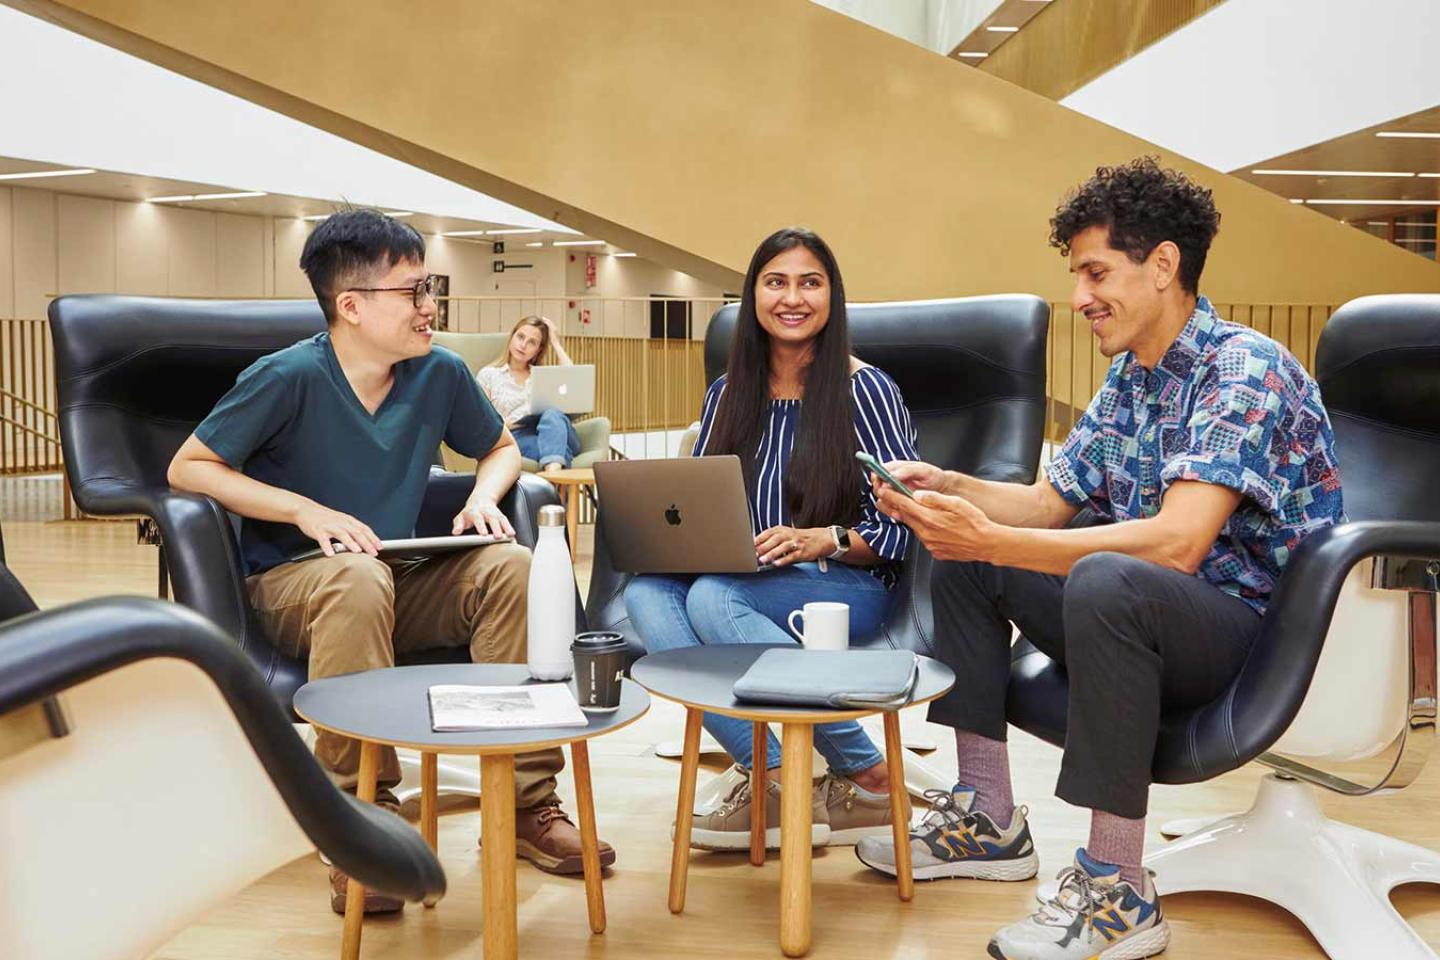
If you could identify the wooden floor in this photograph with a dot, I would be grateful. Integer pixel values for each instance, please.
(733, 908)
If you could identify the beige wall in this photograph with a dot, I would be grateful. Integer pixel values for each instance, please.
(688, 131)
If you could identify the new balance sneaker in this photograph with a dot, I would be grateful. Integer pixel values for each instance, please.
(1095, 914)
(956, 840)
(727, 826)
(854, 814)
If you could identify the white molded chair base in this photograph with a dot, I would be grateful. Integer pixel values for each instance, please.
(1335, 878)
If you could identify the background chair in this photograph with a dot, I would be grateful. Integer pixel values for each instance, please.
(481, 349)
(134, 376)
(95, 701)
(972, 372)
(1323, 685)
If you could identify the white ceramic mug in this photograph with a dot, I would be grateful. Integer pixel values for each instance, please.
(826, 623)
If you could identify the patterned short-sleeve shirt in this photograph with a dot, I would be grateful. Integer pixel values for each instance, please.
(1225, 405)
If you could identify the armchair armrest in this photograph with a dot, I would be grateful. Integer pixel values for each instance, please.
(594, 434)
(44, 654)
(1267, 694)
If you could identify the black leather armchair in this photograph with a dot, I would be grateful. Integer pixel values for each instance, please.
(134, 376)
(1378, 366)
(972, 372)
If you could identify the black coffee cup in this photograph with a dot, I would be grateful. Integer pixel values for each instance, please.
(599, 669)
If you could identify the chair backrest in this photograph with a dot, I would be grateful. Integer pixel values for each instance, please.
(972, 372)
(476, 349)
(1378, 366)
(135, 375)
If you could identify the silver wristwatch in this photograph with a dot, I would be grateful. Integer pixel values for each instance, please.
(841, 536)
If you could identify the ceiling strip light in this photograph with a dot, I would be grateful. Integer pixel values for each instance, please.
(1003, 29)
(579, 243)
(622, 254)
(463, 233)
(972, 55)
(37, 174)
(1375, 203)
(511, 231)
(537, 243)
(398, 214)
(184, 198)
(1331, 173)
(1406, 135)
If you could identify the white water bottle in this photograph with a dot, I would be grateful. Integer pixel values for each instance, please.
(551, 617)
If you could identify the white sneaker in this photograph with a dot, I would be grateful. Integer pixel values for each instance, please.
(727, 826)
(1094, 914)
(955, 840)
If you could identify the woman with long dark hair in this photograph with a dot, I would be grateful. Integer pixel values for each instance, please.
(795, 406)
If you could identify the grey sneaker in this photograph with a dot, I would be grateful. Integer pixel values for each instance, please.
(1094, 914)
(955, 840)
(852, 815)
(727, 827)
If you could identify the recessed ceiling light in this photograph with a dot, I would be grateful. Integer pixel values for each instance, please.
(1331, 173)
(1003, 29)
(1407, 135)
(1375, 203)
(1296, 200)
(1429, 176)
(972, 55)
(463, 233)
(36, 174)
(1377, 223)
(622, 254)
(184, 198)
(536, 243)
(579, 243)
(514, 230)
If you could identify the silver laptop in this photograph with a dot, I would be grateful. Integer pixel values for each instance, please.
(686, 515)
(567, 389)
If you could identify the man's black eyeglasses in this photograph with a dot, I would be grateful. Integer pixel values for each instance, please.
(418, 293)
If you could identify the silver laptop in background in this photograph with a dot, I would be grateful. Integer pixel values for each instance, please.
(685, 515)
(569, 389)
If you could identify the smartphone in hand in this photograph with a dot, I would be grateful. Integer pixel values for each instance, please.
(878, 469)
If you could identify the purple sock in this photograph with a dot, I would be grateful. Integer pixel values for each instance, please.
(1119, 842)
(984, 764)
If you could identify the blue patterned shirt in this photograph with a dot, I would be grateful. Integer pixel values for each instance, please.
(1225, 405)
(882, 429)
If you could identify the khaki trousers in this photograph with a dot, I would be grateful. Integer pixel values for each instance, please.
(352, 612)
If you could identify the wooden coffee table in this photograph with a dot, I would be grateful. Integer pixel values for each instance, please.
(391, 708)
(569, 484)
(701, 678)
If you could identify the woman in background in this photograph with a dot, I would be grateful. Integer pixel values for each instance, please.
(549, 437)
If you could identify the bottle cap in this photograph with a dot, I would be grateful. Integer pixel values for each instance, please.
(552, 516)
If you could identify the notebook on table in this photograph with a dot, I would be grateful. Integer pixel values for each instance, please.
(840, 679)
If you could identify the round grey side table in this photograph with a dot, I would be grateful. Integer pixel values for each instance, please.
(392, 708)
(701, 678)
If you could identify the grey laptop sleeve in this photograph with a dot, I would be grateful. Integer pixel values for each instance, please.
(854, 679)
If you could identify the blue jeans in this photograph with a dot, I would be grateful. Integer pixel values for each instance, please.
(686, 611)
(548, 437)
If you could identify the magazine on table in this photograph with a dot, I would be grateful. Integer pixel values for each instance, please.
(456, 706)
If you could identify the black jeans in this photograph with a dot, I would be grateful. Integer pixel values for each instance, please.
(1132, 636)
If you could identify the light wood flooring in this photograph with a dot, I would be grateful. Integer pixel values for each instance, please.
(732, 908)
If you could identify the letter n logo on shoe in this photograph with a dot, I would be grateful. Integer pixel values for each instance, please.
(1110, 923)
(964, 845)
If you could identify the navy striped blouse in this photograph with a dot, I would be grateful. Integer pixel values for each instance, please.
(883, 429)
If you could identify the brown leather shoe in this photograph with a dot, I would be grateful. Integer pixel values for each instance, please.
(545, 836)
(374, 902)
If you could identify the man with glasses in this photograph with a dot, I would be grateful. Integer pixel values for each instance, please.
(330, 442)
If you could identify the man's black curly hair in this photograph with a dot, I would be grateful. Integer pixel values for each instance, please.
(1143, 205)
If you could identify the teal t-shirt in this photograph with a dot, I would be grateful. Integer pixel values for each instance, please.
(292, 421)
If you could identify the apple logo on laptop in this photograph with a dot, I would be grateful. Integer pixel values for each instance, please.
(564, 389)
(672, 516)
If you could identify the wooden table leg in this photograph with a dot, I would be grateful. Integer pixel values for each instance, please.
(354, 892)
(895, 761)
(429, 787)
(796, 742)
(497, 859)
(589, 842)
(759, 748)
(572, 514)
(685, 811)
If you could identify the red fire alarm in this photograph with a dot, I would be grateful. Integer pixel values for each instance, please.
(590, 271)
(585, 316)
